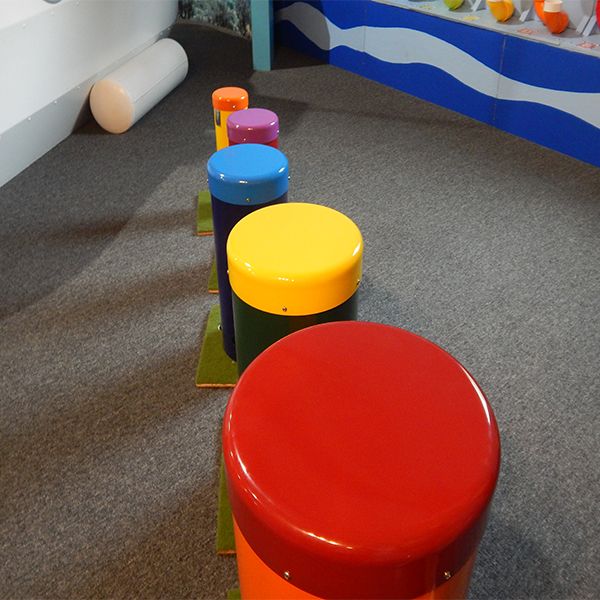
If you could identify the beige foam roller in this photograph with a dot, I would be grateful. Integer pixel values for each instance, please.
(129, 92)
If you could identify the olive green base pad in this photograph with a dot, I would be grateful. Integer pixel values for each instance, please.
(234, 594)
(204, 222)
(215, 369)
(225, 537)
(213, 282)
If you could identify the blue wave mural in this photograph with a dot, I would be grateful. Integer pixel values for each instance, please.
(436, 60)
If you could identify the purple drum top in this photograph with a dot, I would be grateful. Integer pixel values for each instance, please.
(253, 126)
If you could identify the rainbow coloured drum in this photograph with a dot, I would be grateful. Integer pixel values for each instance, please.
(360, 461)
(241, 179)
(291, 266)
(226, 101)
(253, 126)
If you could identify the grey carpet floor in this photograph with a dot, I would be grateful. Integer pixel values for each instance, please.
(482, 242)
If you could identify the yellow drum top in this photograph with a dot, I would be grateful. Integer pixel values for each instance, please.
(295, 258)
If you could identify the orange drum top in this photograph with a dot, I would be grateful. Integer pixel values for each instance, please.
(230, 98)
(361, 460)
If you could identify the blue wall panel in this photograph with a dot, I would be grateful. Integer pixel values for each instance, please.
(551, 128)
(429, 81)
(433, 85)
(344, 13)
(546, 66)
(484, 45)
(545, 94)
(288, 35)
(348, 59)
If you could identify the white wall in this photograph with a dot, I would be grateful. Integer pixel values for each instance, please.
(50, 56)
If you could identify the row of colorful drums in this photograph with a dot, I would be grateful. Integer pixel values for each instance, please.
(360, 458)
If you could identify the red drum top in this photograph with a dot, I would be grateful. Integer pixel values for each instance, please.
(361, 459)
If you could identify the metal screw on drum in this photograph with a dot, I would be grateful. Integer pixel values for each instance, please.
(447, 575)
(284, 309)
(286, 575)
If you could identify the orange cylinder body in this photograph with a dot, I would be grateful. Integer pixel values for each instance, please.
(259, 582)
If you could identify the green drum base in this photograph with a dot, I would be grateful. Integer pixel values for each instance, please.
(225, 537)
(213, 281)
(215, 369)
(204, 222)
(256, 330)
(234, 594)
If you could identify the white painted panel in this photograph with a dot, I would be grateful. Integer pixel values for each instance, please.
(522, 6)
(54, 51)
(578, 11)
(17, 11)
(51, 51)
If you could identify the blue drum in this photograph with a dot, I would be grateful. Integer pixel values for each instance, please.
(241, 179)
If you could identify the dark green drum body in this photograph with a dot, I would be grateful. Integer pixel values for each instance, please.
(256, 330)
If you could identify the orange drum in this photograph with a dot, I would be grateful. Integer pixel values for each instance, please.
(361, 461)
(226, 101)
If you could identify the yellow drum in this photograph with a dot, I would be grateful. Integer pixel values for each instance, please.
(291, 266)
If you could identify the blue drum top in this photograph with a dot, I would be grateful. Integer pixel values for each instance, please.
(248, 174)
